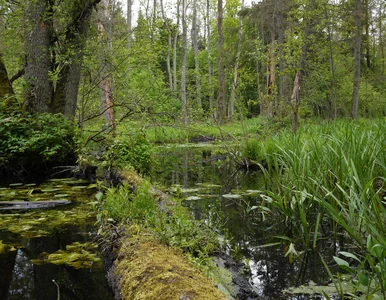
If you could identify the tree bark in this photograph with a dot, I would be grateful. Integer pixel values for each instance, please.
(39, 27)
(232, 98)
(221, 101)
(183, 66)
(211, 92)
(129, 23)
(295, 97)
(168, 61)
(196, 62)
(175, 40)
(357, 59)
(52, 85)
(105, 84)
(281, 29)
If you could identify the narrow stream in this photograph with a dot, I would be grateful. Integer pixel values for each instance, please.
(50, 253)
(215, 191)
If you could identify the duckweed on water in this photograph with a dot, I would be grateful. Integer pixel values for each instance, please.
(5, 248)
(41, 223)
(77, 255)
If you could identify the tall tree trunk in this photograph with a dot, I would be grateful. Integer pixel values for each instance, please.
(129, 22)
(271, 82)
(332, 69)
(183, 66)
(280, 29)
(211, 91)
(65, 96)
(367, 11)
(5, 85)
(175, 40)
(221, 101)
(195, 49)
(295, 97)
(232, 98)
(105, 84)
(168, 62)
(39, 27)
(357, 59)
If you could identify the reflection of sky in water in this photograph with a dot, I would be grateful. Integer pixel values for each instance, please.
(22, 278)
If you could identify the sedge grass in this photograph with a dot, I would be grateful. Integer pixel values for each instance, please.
(336, 169)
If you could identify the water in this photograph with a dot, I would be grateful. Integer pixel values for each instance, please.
(220, 193)
(49, 253)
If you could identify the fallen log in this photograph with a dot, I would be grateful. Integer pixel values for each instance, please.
(17, 205)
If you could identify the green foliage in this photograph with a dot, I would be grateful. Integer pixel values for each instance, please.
(43, 138)
(175, 227)
(123, 204)
(131, 150)
(331, 176)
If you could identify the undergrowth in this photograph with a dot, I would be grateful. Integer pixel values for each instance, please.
(173, 225)
(326, 179)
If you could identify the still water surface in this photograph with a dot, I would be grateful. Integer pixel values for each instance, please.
(216, 191)
(29, 237)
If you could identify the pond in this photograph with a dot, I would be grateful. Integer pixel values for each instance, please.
(50, 253)
(226, 197)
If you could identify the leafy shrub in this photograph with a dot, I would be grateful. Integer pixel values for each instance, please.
(43, 138)
(132, 150)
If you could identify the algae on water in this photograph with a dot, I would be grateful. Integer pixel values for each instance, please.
(77, 255)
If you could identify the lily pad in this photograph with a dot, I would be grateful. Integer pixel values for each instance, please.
(80, 187)
(60, 195)
(16, 184)
(30, 184)
(49, 190)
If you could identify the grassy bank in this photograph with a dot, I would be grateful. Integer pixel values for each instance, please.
(163, 251)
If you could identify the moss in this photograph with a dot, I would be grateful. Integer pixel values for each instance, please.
(151, 270)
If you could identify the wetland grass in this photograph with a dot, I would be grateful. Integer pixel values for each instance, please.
(327, 181)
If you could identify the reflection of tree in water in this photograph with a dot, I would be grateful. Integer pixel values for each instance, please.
(245, 231)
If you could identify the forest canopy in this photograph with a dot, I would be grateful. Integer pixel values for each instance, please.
(189, 61)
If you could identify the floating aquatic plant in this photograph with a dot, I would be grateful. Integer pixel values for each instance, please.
(77, 255)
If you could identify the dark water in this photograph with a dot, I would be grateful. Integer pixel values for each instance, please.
(35, 233)
(222, 195)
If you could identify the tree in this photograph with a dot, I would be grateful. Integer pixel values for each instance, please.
(357, 59)
(295, 97)
(106, 80)
(183, 66)
(221, 100)
(54, 55)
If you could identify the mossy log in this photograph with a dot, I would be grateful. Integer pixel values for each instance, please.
(149, 269)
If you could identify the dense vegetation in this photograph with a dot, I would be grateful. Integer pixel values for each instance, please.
(246, 75)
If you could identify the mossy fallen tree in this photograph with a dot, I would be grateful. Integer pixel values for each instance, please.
(148, 269)
(149, 256)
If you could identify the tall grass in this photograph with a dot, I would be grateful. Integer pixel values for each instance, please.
(333, 176)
